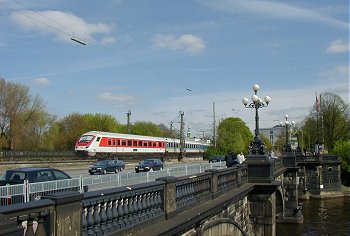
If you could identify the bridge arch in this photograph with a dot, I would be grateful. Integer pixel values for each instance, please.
(220, 227)
(279, 194)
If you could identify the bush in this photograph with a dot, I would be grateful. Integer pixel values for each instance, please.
(342, 148)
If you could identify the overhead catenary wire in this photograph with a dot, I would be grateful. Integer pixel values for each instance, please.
(89, 41)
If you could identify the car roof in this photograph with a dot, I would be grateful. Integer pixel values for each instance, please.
(31, 169)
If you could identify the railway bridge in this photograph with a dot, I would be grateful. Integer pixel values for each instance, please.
(248, 199)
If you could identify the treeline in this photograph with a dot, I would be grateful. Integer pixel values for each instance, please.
(327, 124)
(26, 125)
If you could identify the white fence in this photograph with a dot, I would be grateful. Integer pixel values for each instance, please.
(12, 194)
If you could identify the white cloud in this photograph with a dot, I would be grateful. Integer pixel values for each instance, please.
(338, 46)
(110, 97)
(62, 24)
(338, 73)
(273, 9)
(41, 81)
(108, 40)
(186, 42)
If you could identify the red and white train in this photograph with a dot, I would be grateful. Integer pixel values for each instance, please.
(100, 144)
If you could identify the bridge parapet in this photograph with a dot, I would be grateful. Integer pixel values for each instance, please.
(123, 209)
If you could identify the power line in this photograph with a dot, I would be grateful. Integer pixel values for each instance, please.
(94, 43)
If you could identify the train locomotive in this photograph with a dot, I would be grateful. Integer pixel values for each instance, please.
(116, 145)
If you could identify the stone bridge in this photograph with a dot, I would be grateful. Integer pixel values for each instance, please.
(248, 199)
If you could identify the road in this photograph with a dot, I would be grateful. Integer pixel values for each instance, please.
(128, 177)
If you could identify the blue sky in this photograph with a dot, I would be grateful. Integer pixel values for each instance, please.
(158, 57)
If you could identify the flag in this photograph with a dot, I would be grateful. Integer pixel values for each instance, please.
(318, 105)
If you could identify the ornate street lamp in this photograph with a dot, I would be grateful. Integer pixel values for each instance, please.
(257, 146)
(287, 124)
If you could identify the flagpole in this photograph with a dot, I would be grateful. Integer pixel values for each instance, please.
(317, 135)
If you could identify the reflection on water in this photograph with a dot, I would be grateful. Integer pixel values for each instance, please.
(321, 217)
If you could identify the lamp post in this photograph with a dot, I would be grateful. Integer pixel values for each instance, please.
(257, 146)
(287, 124)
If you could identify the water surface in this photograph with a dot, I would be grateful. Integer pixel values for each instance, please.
(321, 217)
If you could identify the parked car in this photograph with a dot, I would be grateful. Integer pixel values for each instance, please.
(120, 165)
(217, 159)
(102, 167)
(32, 175)
(149, 165)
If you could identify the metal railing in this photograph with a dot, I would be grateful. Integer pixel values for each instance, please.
(20, 193)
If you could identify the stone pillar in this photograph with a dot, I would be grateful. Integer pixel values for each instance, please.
(67, 215)
(292, 210)
(169, 195)
(214, 181)
(263, 214)
(262, 171)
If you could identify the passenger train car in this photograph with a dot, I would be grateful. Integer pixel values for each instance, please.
(100, 144)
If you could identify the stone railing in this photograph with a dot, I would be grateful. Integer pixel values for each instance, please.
(122, 210)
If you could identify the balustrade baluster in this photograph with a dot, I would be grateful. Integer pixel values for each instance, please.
(115, 213)
(144, 206)
(131, 209)
(121, 213)
(158, 203)
(109, 215)
(148, 204)
(40, 229)
(30, 230)
(152, 204)
(90, 221)
(103, 216)
(139, 207)
(126, 211)
(97, 218)
(135, 209)
(193, 193)
(84, 221)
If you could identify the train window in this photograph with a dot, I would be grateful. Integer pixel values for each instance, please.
(114, 142)
(135, 143)
(98, 139)
(154, 144)
(123, 142)
(109, 142)
(129, 143)
(145, 144)
(85, 138)
(118, 142)
(150, 144)
(140, 143)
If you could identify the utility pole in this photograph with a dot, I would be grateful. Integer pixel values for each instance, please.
(214, 126)
(128, 121)
(182, 138)
(171, 129)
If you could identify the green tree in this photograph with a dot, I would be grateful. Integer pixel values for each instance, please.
(266, 141)
(342, 148)
(330, 124)
(147, 128)
(101, 122)
(37, 125)
(17, 106)
(64, 133)
(233, 135)
(334, 119)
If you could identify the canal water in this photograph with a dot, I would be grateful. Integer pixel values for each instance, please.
(321, 217)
